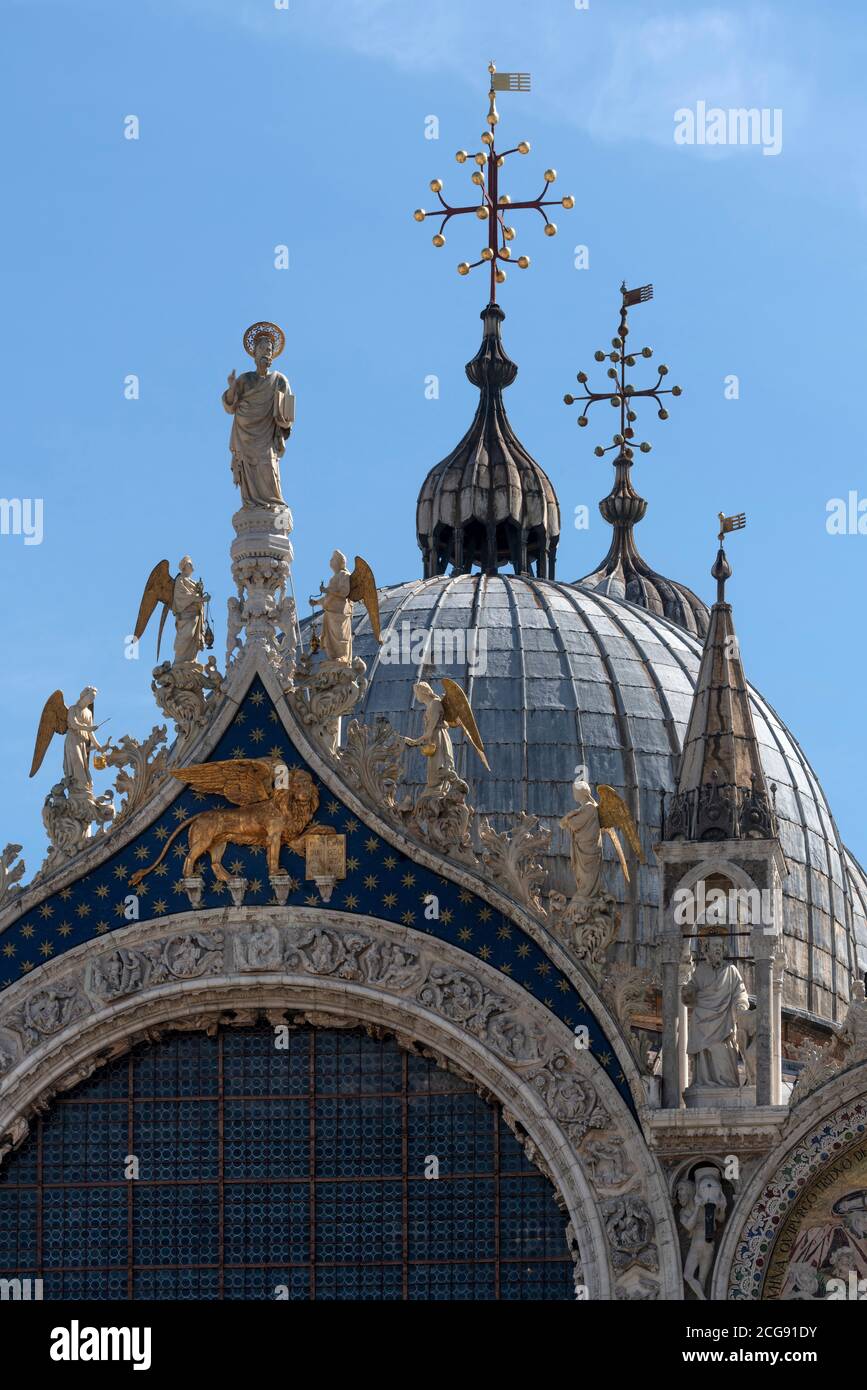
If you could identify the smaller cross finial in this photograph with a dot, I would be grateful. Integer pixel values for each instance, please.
(623, 396)
(493, 206)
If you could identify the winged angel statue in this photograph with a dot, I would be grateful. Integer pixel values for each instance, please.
(336, 600)
(586, 825)
(451, 710)
(183, 597)
(273, 806)
(75, 723)
(71, 808)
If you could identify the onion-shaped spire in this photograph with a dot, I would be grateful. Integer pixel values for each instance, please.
(489, 504)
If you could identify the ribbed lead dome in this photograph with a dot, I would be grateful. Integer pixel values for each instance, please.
(564, 676)
(489, 503)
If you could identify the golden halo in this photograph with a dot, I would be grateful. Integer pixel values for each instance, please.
(260, 330)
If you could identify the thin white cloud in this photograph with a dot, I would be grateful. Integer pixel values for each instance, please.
(610, 71)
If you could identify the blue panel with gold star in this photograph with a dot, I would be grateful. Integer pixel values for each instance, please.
(381, 881)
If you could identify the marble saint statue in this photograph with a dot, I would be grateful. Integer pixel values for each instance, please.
(585, 842)
(336, 611)
(263, 411)
(714, 996)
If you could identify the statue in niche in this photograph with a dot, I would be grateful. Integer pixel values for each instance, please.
(263, 410)
(714, 996)
(702, 1210)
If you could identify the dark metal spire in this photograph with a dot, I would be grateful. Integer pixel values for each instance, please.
(488, 503)
(623, 572)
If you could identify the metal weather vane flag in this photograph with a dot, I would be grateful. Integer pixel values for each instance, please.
(492, 206)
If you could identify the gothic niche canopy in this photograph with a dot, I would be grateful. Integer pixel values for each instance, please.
(489, 504)
(722, 792)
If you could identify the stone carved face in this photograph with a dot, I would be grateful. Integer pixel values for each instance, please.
(263, 353)
(708, 1188)
(685, 1192)
(715, 948)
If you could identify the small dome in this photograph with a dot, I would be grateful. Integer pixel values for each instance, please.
(488, 503)
(625, 574)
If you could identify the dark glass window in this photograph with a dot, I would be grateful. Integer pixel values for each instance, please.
(267, 1172)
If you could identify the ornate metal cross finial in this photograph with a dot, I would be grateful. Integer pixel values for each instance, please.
(493, 206)
(623, 395)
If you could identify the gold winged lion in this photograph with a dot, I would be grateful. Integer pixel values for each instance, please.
(275, 807)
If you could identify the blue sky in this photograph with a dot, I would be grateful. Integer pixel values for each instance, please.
(305, 126)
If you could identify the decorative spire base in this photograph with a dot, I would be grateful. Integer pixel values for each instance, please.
(263, 615)
(624, 573)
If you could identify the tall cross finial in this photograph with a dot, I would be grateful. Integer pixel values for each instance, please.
(623, 395)
(493, 206)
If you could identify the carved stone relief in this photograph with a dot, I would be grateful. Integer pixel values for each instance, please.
(168, 974)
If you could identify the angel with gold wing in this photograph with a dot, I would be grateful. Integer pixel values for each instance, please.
(586, 825)
(183, 597)
(75, 724)
(336, 599)
(450, 710)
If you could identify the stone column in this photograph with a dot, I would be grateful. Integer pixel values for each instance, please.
(777, 1019)
(764, 945)
(672, 1084)
(682, 1024)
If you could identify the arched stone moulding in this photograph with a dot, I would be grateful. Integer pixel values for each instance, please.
(833, 1118)
(80, 1010)
(199, 749)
